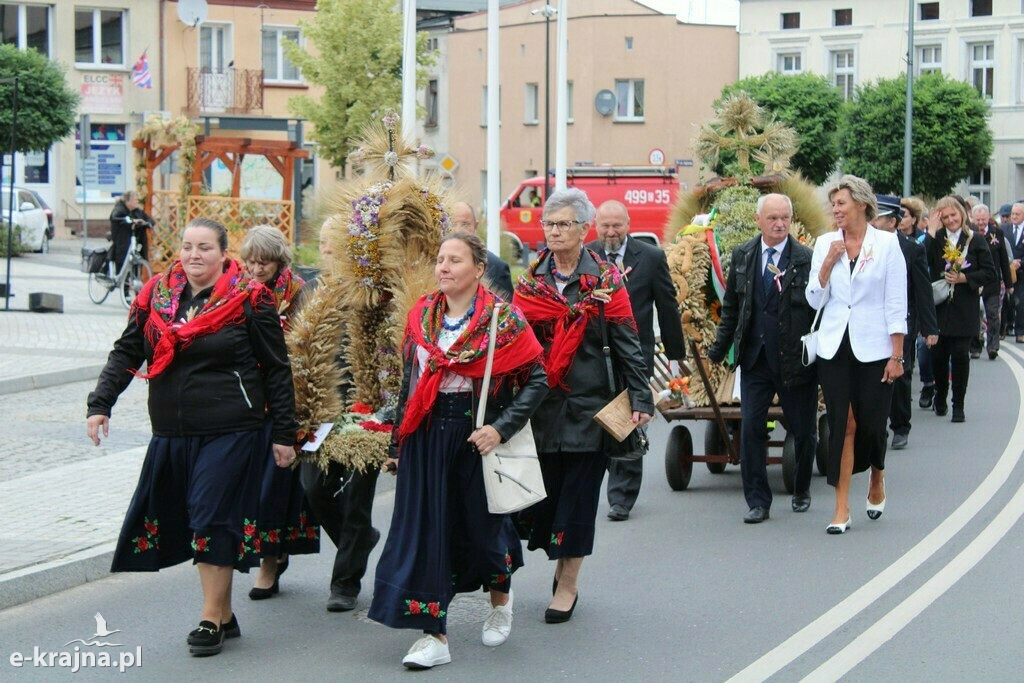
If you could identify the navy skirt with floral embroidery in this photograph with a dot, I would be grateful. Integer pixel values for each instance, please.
(442, 540)
(562, 525)
(196, 499)
(285, 525)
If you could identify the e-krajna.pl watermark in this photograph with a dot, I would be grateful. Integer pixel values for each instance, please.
(80, 658)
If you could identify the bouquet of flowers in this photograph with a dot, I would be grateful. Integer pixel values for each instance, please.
(956, 262)
(359, 439)
(676, 396)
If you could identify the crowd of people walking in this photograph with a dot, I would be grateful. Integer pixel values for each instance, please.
(218, 485)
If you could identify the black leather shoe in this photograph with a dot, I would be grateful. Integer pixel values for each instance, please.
(958, 415)
(557, 616)
(992, 355)
(899, 442)
(618, 513)
(264, 593)
(206, 640)
(231, 629)
(940, 405)
(801, 502)
(341, 603)
(756, 516)
(927, 396)
(282, 567)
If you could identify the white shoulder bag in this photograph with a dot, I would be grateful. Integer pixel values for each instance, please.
(512, 476)
(810, 340)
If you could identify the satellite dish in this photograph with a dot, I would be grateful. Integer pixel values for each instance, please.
(192, 12)
(604, 102)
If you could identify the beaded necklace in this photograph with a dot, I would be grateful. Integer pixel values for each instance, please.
(558, 276)
(461, 322)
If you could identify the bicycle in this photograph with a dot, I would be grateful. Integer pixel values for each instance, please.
(135, 272)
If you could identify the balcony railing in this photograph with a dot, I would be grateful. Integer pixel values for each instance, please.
(230, 91)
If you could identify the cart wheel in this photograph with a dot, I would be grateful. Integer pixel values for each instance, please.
(788, 462)
(714, 444)
(821, 454)
(678, 458)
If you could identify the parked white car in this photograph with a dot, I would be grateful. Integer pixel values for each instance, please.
(29, 214)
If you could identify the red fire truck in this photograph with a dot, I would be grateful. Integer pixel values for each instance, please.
(649, 192)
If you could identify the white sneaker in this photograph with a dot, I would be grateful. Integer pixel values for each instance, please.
(498, 624)
(426, 652)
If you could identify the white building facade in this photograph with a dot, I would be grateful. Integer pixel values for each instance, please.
(858, 41)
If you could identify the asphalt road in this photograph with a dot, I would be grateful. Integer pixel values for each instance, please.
(682, 591)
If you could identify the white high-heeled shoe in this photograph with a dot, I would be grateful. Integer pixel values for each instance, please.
(836, 529)
(875, 510)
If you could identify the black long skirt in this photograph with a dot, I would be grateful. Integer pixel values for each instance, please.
(286, 525)
(442, 540)
(196, 499)
(848, 383)
(562, 525)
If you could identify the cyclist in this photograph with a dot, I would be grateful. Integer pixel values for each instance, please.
(126, 217)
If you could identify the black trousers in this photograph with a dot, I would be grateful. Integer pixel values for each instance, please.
(953, 351)
(902, 389)
(1018, 310)
(988, 338)
(758, 386)
(343, 502)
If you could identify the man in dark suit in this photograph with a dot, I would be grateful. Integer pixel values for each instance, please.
(991, 296)
(1015, 233)
(765, 311)
(920, 315)
(645, 270)
(463, 218)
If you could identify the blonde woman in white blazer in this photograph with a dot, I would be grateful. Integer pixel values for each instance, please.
(858, 274)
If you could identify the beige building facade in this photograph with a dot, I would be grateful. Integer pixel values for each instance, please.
(978, 41)
(664, 76)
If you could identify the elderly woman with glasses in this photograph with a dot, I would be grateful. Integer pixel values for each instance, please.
(567, 295)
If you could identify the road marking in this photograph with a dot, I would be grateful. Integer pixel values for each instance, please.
(803, 640)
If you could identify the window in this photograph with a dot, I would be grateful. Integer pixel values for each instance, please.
(432, 44)
(982, 67)
(980, 185)
(483, 107)
(842, 72)
(568, 96)
(276, 66)
(530, 115)
(629, 42)
(790, 20)
(431, 103)
(789, 63)
(630, 97)
(37, 168)
(929, 59)
(25, 26)
(981, 8)
(842, 17)
(99, 37)
(929, 11)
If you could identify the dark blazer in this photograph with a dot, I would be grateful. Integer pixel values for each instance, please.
(649, 283)
(795, 314)
(565, 419)
(920, 305)
(1016, 248)
(996, 240)
(499, 276)
(959, 317)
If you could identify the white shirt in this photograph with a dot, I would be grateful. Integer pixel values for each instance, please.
(450, 381)
(952, 236)
(616, 256)
(779, 248)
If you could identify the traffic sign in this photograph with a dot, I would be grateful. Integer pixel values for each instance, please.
(448, 164)
(656, 157)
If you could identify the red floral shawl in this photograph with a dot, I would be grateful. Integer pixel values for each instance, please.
(159, 300)
(286, 287)
(516, 349)
(554, 318)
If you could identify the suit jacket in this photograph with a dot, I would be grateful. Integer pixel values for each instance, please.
(870, 303)
(649, 284)
(996, 240)
(920, 305)
(795, 315)
(1016, 248)
(499, 276)
(959, 317)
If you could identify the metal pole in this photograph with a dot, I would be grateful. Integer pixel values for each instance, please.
(493, 133)
(409, 70)
(908, 118)
(563, 100)
(10, 197)
(547, 105)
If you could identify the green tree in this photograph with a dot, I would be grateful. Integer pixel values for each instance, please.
(951, 136)
(356, 55)
(46, 106)
(808, 104)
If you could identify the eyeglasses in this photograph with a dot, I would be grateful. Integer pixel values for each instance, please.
(561, 226)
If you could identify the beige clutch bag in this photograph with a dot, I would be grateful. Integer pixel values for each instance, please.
(617, 417)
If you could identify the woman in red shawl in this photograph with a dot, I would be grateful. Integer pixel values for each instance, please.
(563, 294)
(285, 524)
(217, 368)
(443, 540)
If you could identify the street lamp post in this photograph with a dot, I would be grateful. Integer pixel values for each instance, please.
(547, 11)
(13, 80)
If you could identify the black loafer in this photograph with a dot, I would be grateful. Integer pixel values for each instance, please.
(341, 603)
(756, 516)
(899, 442)
(801, 502)
(557, 616)
(618, 513)
(927, 396)
(992, 355)
(941, 407)
(206, 640)
(231, 629)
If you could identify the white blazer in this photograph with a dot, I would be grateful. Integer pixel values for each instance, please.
(871, 302)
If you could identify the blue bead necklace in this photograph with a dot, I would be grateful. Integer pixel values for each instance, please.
(457, 325)
(558, 276)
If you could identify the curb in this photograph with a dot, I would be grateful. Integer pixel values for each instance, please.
(42, 380)
(39, 580)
